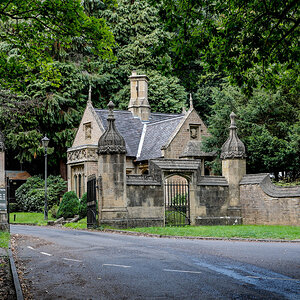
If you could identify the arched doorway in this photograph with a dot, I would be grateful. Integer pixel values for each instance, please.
(177, 201)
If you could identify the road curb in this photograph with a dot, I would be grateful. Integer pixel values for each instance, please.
(197, 237)
(15, 276)
(134, 233)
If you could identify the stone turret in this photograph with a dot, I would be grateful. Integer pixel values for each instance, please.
(112, 174)
(139, 105)
(3, 203)
(233, 157)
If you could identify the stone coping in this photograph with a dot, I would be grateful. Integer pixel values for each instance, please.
(90, 146)
(213, 180)
(264, 181)
(177, 164)
(140, 180)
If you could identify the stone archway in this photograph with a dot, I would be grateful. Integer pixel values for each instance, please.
(177, 200)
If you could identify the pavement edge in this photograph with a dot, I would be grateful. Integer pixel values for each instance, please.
(15, 276)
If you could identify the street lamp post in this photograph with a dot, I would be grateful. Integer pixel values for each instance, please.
(45, 142)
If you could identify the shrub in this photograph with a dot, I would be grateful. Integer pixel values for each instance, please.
(69, 205)
(30, 196)
(53, 211)
(82, 206)
(13, 207)
(35, 200)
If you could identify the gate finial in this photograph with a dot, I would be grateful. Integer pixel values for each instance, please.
(233, 147)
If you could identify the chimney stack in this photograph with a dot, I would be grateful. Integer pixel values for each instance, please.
(139, 105)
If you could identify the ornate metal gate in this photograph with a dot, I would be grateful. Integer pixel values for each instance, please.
(91, 202)
(177, 203)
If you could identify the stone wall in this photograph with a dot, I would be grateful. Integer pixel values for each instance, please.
(264, 203)
(212, 202)
(145, 201)
(89, 129)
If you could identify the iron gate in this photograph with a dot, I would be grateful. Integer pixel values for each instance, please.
(91, 202)
(177, 204)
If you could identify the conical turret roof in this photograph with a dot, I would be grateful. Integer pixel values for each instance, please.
(111, 141)
(233, 147)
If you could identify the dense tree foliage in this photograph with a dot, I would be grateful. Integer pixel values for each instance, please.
(233, 55)
(254, 42)
(268, 125)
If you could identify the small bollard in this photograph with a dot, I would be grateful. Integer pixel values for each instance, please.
(14, 218)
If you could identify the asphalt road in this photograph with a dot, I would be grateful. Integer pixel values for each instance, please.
(71, 264)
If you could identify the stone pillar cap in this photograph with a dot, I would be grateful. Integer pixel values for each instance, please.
(111, 141)
(233, 147)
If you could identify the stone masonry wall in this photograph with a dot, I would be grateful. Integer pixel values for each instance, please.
(89, 130)
(211, 199)
(145, 201)
(175, 148)
(259, 208)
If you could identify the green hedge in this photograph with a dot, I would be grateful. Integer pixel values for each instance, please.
(69, 205)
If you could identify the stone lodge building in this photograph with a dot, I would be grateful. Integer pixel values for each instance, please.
(127, 162)
(148, 135)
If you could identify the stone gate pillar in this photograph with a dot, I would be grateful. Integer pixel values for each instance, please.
(3, 205)
(233, 157)
(112, 175)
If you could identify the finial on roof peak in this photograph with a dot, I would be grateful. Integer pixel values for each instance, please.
(233, 147)
(191, 101)
(232, 119)
(90, 94)
(111, 105)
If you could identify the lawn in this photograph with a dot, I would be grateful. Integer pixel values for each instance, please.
(28, 218)
(236, 231)
(81, 224)
(4, 239)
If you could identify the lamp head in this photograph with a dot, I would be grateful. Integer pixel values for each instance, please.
(45, 142)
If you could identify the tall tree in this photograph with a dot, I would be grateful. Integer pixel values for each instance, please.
(40, 90)
(251, 41)
(267, 123)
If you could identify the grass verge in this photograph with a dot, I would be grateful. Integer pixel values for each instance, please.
(237, 231)
(28, 218)
(81, 224)
(4, 239)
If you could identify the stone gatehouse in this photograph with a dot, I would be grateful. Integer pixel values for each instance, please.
(135, 172)
(148, 135)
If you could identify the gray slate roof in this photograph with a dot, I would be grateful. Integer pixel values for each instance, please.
(156, 136)
(158, 130)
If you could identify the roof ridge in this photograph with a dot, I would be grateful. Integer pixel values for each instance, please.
(160, 113)
(167, 120)
(115, 110)
(142, 139)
